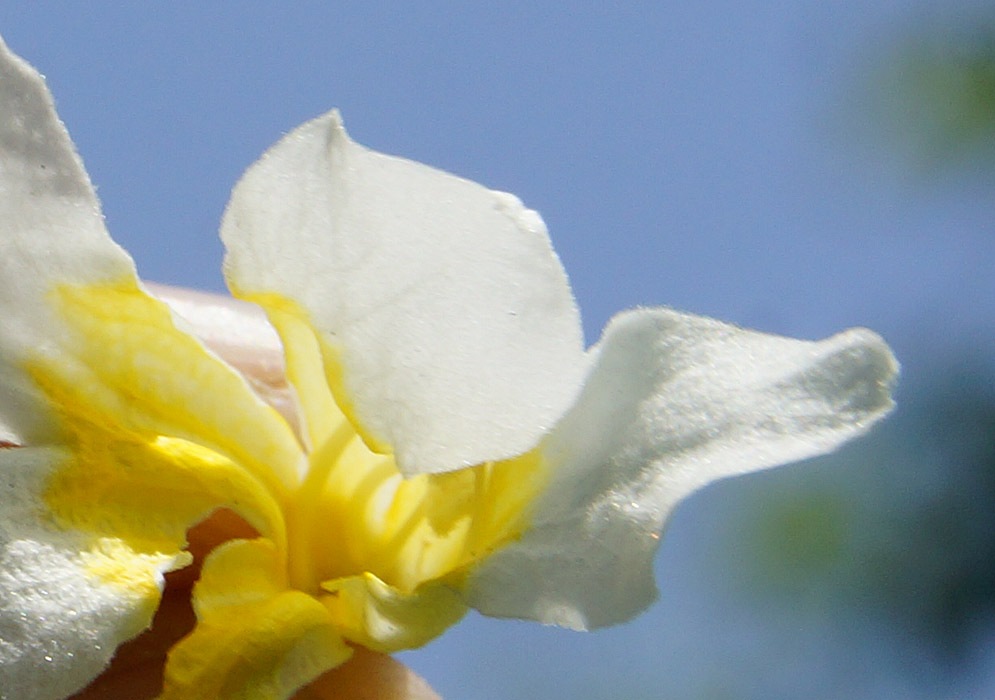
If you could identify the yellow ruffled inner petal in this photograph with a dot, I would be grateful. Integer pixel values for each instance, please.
(125, 365)
(157, 435)
(407, 532)
(148, 490)
(255, 639)
(161, 432)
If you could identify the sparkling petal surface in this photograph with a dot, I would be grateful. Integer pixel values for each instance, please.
(61, 615)
(448, 330)
(673, 402)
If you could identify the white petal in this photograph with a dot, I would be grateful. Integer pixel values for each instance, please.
(65, 293)
(59, 624)
(52, 232)
(674, 402)
(450, 313)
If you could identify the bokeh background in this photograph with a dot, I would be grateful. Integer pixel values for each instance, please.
(797, 167)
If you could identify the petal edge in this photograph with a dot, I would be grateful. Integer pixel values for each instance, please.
(451, 318)
(674, 402)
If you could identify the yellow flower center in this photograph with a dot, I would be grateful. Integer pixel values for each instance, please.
(385, 553)
(159, 435)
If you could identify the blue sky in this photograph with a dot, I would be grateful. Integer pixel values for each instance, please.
(712, 156)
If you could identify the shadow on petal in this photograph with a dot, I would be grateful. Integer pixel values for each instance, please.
(136, 671)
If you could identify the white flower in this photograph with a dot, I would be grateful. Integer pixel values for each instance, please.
(450, 442)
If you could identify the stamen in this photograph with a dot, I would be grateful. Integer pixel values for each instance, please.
(302, 512)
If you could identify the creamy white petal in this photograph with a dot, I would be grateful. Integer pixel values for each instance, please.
(673, 402)
(60, 623)
(76, 321)
(451, 316)
(52, 231)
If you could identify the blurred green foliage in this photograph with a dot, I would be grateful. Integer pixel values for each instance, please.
(936, 94)
(957, 526)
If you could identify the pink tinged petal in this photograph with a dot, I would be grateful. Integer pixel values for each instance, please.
(673, 402)
(238, 333)
(443, 301)
(8, 437)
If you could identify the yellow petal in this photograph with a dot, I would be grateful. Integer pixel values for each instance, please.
(125, 363)
(356, 514)
(162, 433)
(254, 639)
(305, 367)
(382, 618)
(148, 492)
